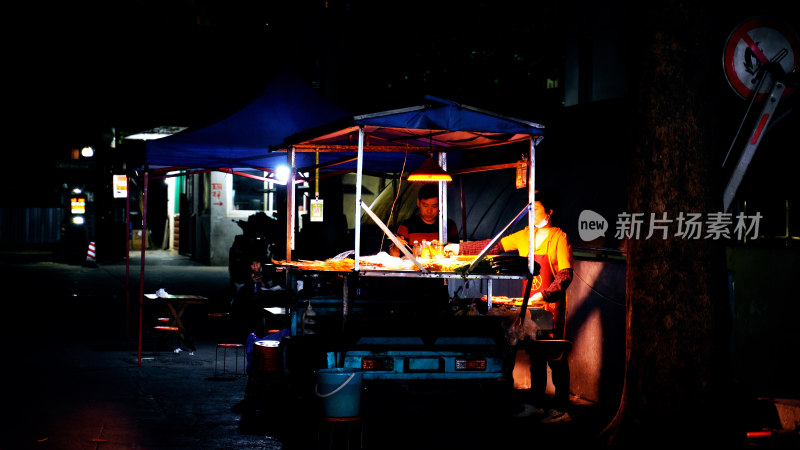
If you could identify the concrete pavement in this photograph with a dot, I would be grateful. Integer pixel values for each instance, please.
(71, 377)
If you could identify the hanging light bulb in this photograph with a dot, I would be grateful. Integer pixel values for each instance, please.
(429, 170)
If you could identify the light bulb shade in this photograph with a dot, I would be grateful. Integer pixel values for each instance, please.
(429, 170)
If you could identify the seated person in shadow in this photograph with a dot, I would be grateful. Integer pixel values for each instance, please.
(247, 306)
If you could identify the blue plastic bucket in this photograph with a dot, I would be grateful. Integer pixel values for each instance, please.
(340, 391)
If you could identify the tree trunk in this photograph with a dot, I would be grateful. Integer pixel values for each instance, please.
(678, 316)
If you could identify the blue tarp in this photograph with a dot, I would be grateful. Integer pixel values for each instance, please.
(409, 135)
(242, 140)
(291, 113)
(440, 114)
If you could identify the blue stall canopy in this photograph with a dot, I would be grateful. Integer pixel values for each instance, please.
(392, 142)
(407, 134)
(288, 106)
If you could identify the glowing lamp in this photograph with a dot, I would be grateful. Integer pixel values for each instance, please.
(429, 170)
(282, 173)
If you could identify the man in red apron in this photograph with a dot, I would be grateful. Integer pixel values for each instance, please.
(553, 253)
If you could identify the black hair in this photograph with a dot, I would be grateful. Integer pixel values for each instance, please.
(548, 198)
(252, 256)
(428, 190)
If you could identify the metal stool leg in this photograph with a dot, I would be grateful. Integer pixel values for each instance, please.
(338, 433)
(159, 329)
(237, 349)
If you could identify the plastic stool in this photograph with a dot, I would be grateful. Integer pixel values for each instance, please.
(238, 348)
(339, 433)
(171, 329)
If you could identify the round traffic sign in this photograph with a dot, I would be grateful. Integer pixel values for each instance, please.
(754, 43)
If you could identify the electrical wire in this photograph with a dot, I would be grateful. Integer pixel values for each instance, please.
(394, 202)
(609, 299)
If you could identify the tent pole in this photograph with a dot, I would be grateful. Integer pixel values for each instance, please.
(463, 209)
(443, 201)
(359, 175)
(127, 258)
(141, 265)
(531, 199)
(290, 160)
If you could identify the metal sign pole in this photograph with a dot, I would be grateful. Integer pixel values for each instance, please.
(767, 112)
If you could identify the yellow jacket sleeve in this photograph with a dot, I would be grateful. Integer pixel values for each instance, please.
(561, 253)
(516, 241)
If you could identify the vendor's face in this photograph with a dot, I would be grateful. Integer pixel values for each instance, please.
(540, 214)
(428, 209)
(255, 266)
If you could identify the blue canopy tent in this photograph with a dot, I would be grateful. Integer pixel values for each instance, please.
(383, 142)
(415, 132)
(290, 124)
(240, 141)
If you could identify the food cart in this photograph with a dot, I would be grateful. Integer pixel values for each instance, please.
(358, 311)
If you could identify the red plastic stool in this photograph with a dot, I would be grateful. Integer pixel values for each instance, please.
(238, 348)
(172, 330)
(340, 432)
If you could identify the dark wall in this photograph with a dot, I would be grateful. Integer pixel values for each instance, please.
(581, 158)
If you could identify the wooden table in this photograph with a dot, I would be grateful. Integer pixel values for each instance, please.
(176, 305)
